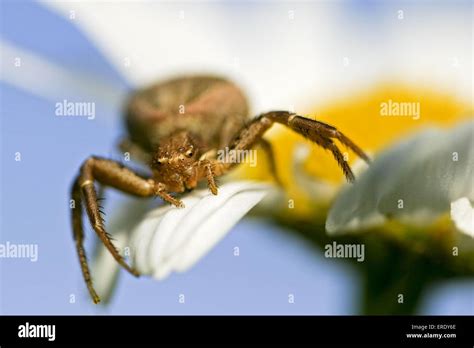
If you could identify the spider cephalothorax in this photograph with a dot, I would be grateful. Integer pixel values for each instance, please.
(177, 128)
(176, 161)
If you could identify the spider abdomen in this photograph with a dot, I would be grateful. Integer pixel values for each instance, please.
(211, 107)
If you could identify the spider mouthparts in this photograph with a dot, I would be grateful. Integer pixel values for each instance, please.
(179, 205)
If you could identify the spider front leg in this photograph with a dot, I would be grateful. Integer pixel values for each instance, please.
(318, 132)
(208, 168)
(110, 173)
(205, 168)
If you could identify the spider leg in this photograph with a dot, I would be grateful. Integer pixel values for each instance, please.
(267, 147)
(249, 135)
(110, 173)
(252, 134)
(204, 168)
(210, 176)
(318, 132)
(78, 232)
(332, 132)
(160, 190)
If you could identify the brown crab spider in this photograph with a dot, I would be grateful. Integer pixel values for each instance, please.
(180, 149)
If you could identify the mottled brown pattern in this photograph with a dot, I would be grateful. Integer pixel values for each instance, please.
(209, 103)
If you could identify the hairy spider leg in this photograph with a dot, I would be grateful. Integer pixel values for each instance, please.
(267, 147)
(78, 233)
(110, 173)
(318, 132)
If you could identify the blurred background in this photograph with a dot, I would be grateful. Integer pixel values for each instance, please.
(305, 56)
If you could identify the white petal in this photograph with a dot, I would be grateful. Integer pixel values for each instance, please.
(142, 240)
(172, 239)
(216, 227)
(462, 213)
(414, 180)
(163, 38)
(168, 227)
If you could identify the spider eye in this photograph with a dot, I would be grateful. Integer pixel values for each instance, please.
(189, 153)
